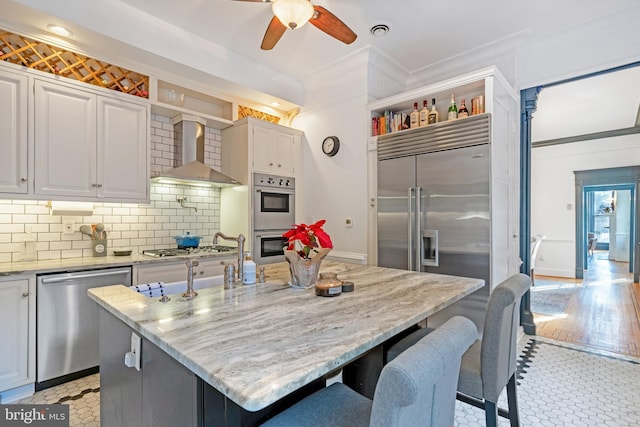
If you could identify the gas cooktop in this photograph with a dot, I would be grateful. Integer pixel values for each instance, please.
(200, 250)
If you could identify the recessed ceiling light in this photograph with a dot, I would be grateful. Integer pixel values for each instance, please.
(59, 30)
(379, 30)
(275, 104)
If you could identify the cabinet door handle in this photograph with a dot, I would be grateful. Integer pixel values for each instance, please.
(279, 165)
(99, 185)
(23, 179)
(271, 164)
(25, 294)
(94, 185)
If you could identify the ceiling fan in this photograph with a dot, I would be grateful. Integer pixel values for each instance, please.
(295, 13)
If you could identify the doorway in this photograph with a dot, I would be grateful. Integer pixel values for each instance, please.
(598, 209)
(607, 225)
(601, 144)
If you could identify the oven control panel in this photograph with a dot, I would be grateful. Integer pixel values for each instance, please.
(273, 181)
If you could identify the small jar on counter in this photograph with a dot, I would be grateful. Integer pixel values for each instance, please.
(328, 285)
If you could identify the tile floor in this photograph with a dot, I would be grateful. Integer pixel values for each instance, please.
(559, 385)
(82, 396)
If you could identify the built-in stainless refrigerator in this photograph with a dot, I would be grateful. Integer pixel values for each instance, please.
(434, 216)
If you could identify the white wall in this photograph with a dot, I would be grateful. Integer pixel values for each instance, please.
(335, 188)
(553, 193)
(593, 46)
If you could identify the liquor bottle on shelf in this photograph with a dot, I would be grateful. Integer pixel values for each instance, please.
(415, 116)
(433, 114)
(463, 112)
(453, 109)
(424, 114)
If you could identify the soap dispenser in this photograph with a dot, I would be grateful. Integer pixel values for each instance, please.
(248, 271)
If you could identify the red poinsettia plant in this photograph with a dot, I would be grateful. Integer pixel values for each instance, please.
(307, 239)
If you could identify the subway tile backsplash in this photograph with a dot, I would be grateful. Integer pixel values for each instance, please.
(131, 226)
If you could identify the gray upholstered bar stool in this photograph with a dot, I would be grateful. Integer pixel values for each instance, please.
(417, 389)
(490, 363)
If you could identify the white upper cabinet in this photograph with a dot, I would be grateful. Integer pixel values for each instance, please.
(121, 154)
(65, 137)
(252, 145)
(13, 133)
(274, 151)
(89, 146)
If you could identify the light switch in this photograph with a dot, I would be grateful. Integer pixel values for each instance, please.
(348, 222)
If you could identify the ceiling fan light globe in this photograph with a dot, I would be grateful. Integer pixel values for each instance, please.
(293, 13)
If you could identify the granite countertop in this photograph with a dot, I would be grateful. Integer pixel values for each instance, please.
(58, 265)
(256, 344)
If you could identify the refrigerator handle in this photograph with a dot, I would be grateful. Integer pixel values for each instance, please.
(410, 230)
(418, 230)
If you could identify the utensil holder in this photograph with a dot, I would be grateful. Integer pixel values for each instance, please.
(99, 247)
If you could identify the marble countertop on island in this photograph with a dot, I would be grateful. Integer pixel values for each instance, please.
(256, 344)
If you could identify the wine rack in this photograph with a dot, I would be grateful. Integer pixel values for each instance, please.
(48, 58)
(250, 112)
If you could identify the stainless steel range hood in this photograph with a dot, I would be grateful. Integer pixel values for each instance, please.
(189, 147)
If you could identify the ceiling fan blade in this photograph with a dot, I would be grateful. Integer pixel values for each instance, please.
(332, 25)
(275, 30)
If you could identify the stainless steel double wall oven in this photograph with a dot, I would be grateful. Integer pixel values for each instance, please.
(273, 214)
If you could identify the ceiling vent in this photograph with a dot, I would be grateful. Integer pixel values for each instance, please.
(379, 30)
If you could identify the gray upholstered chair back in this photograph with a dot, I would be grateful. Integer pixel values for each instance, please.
(500, 333)
(418, 388)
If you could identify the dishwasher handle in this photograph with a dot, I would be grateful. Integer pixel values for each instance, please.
(60, 279)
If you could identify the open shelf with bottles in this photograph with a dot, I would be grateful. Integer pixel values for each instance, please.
(465, 87)
(169, 99)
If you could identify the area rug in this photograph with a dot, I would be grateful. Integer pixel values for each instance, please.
(551, 298)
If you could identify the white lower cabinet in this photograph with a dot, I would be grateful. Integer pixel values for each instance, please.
(17, 332)
(176, 270)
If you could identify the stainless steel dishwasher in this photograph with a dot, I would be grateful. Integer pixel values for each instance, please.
(67, 323)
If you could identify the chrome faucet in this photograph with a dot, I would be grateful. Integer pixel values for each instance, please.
(190, 293)
(240, 239)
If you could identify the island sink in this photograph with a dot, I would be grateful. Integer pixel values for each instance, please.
(177, 288)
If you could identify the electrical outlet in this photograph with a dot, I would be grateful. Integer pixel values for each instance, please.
(67, 227)
(132, 358)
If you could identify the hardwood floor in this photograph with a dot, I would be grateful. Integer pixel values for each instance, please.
(603, 313)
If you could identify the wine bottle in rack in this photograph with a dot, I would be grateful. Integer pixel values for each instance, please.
(463, 112)
(415, 116)
(424, 114)
(433, 114)
(453, 109)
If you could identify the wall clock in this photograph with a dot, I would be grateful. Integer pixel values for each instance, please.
(330, 146)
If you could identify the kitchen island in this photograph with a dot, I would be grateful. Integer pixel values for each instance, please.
(254, 345)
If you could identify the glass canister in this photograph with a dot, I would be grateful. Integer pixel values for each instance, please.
(328, 285)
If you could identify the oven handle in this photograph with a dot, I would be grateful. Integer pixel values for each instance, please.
(260, 235)
(276, 191)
